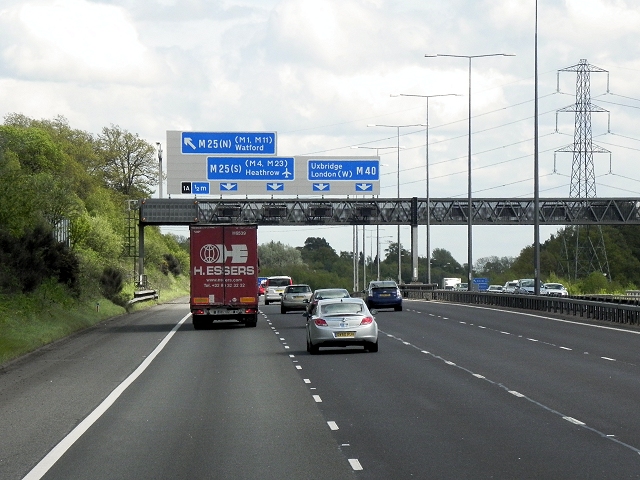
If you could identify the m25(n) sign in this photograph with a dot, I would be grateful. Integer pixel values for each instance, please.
(228, 143)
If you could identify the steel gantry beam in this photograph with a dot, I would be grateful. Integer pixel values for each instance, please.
(392, 211)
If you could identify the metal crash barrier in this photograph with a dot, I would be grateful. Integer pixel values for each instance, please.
(603, 309)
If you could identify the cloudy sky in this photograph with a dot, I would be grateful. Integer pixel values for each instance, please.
(319, 71)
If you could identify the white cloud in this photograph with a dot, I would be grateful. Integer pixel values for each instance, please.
(76, 40)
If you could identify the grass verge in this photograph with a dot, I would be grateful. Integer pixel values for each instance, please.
(28, 322)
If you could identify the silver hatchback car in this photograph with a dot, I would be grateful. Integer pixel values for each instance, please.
(341, 322)
(295, 297)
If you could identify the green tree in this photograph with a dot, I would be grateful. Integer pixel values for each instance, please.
(128, 164)
(276, 257)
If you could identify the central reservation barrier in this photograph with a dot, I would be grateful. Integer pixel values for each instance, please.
(620, 310)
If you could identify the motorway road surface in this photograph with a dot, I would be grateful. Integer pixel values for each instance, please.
(455, 392)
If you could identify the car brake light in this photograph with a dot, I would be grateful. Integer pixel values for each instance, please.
(320, 322)
(366, 321)
(197, 312)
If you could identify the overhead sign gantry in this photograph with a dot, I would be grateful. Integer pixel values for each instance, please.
(245, 163)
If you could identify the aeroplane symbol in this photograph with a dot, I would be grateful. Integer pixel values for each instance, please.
(286, 173)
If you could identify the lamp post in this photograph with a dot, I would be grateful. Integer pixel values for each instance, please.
(469, 197)
(377, 149)
(536, 179)
(398, 127)
(427, 173)
(160, 169)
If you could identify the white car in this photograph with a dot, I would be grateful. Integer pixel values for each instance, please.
(495, 289)
(274, 288)
(555, 290)
(510, 287)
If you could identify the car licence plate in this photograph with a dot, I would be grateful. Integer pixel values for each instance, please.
(385, 294)
(345, 334)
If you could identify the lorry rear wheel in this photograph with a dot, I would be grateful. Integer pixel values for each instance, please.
(251, 321)
(198, 324)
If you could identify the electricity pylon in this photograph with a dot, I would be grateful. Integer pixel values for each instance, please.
(590, 254)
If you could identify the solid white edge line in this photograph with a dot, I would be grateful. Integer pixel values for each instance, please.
(61, 448)
(355, 464)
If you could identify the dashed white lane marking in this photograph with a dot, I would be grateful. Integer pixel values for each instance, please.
(281, 338)
(573, 420)
(355, 464)
(521, 395)
(333, 425)
(566, 348)
(299, 367)
(306, 380)
(292, 356)
(607, 358)
(317, 398)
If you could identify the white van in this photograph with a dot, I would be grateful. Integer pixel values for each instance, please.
(274, 288)
(510, 287)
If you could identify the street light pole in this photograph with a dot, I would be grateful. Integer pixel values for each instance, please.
(398, 127)
(469, 196)
(427, 173)
(377, 149)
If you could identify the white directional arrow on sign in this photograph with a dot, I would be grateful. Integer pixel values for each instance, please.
(229, 186)
(320, 186)
(188, 142)
(364, 186)
(275, 186)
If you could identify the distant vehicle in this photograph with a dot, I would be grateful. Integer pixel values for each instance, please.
(224, 274)
(450, 283)
(295, 297)
(462, 287)
(262, 287)
(495, 289)
(510, 287)
(555, 290)
(275, 287)
(526, 286)
(341, 322)
(325, 293)
(384, 294)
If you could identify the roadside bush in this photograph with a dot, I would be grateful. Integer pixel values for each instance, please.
(171, 264)
(111, 283)
(32, 258)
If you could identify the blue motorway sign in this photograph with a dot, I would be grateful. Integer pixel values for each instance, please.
(272, 169)
(332, 170)
(228, 143)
